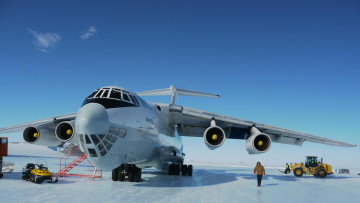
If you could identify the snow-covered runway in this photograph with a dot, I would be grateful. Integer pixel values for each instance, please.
(208, 184)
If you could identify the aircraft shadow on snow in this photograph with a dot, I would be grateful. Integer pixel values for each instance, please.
(203, 177)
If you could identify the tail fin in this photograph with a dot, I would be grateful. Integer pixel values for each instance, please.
(175, 92)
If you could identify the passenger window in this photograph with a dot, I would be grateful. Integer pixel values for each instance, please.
(115, 94)
(105, 93)
(99, 93)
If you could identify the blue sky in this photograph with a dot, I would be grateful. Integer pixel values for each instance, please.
(292, 64)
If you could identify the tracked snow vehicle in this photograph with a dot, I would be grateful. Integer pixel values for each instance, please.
(38, 173)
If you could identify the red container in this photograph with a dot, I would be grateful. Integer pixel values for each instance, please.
(3, 146)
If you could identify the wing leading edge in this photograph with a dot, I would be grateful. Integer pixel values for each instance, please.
(193, 122)
(49, 122)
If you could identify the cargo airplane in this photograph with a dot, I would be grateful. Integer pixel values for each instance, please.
(120, 131)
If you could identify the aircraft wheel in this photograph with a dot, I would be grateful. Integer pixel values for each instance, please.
(1, 175)
(121, 175)
(184, 170)
(137, 174)
(177, 169)
(131, 173)
(298, 172)
(190, 170)
(114, 175)
(171, 169)
(321, 173)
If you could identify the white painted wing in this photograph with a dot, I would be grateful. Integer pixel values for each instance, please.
(49, 122)
(193, 122)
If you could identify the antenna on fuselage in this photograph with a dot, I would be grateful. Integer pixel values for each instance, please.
(175, 92)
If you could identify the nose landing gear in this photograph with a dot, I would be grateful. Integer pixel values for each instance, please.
(127, 172)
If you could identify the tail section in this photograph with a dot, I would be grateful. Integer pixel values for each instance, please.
(175, 92)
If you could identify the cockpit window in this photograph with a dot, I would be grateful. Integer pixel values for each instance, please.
(119, 98)
(143, 103)
(92, 94)
(115, 94)
(134, 99)
(126, 97)
(105, 93)
(99, 93)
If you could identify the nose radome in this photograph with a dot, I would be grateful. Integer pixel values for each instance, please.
(92, 118)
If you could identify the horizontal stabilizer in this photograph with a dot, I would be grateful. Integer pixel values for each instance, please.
(175, 92)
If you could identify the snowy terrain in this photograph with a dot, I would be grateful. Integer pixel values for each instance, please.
(208, 184)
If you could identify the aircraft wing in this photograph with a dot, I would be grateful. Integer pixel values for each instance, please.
(193, 122)
(49, 122)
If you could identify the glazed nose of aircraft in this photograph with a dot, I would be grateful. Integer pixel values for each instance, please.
(92, 118)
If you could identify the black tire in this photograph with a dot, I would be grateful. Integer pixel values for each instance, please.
(114, 175)
(177, 169)
(121, 175)
(1, 175)
(137, 174)
(321, 173)
(38, 180)
(190, 170)
(131, 174)
(171, 169)
(184, 170)
(298, 172)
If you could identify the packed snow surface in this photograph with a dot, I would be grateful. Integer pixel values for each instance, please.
(208, 184)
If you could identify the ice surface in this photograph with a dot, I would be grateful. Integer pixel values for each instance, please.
(208, 184)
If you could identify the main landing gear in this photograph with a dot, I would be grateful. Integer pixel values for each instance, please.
(127, 172)
(175, 169)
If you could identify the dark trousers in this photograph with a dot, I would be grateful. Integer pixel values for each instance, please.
(259, 177)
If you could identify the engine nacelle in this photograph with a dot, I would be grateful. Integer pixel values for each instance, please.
(258, 142)
(214, 136)
(40, 136)
(65, 132)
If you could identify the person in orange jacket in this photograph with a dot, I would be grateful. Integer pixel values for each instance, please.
(260, 171)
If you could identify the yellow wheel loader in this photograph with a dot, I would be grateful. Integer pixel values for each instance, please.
(311, 167)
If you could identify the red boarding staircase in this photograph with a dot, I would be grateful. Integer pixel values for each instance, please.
(93, 172)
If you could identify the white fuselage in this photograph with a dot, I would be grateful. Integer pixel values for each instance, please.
(138, 135)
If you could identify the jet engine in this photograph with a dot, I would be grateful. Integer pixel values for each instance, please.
(214, 136)
(258, 142)
(40, 135)
(65, 131)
